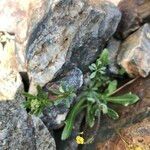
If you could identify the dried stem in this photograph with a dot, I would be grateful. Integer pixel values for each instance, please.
(128, 83)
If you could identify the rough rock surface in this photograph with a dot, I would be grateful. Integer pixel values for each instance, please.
(10, 80)
(113, 48)
(134, 14)
(78, 29)
(48, 32)
(23, 17)
(128, 115)
(20, 131)
(54, 116)
(91, 37)
(135, 136)
(134, 53)
(115, 1)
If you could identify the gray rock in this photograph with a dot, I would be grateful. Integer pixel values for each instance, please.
(75, 28)
(93, 34)
(54, 116)
(113, 48)
(134, 53)
(43, 138)
(20, 131)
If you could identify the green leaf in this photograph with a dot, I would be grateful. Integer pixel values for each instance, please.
(112, 114)
(111, 87)
(61, 89)
(92, 67)
(28, 95)
(89, 117)
(93, 74)
(79, 106)
(92, 112)
(41, 94)
(121, 71)
(125, 100)
(91, 99)
(104, 57)
(104, 108)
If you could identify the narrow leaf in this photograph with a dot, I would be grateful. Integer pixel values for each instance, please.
(112, 114)
(111, 87)
(29, 95)
(125, 100)
(61, 89)
(104, 57)
(93, 74)
(71, 118)
(104, 108)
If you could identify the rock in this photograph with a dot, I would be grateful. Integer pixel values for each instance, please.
(128, 115)
(10, 80)
(134, 53)
(134, 136)
(54, 116)
(115, 1)
(48, 32)
(73, 31)
(19, 131)
(23, 17)
(44, 140)
(134, 14)
(113, 48)
(99, 26)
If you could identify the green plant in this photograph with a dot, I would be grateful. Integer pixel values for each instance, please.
(36, 103)
(96, 95)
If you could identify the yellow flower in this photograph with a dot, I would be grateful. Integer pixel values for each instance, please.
(138, 148)
(80, 140)
(133, 147)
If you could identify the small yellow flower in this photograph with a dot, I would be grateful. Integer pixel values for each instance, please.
(80, 140)
(133, 147)
(138, 148)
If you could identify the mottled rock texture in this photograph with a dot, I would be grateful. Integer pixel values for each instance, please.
(128, 115)
(113, 49)
(74, 31)
(20, 17)
(10, 80)
(134, 54)
(20, 131)
(54, 116)
(49, 33)
(134, 14)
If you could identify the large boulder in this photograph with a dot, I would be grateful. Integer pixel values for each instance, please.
(49, 33)
(134, 14)
(73, 31)
(134, 54)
